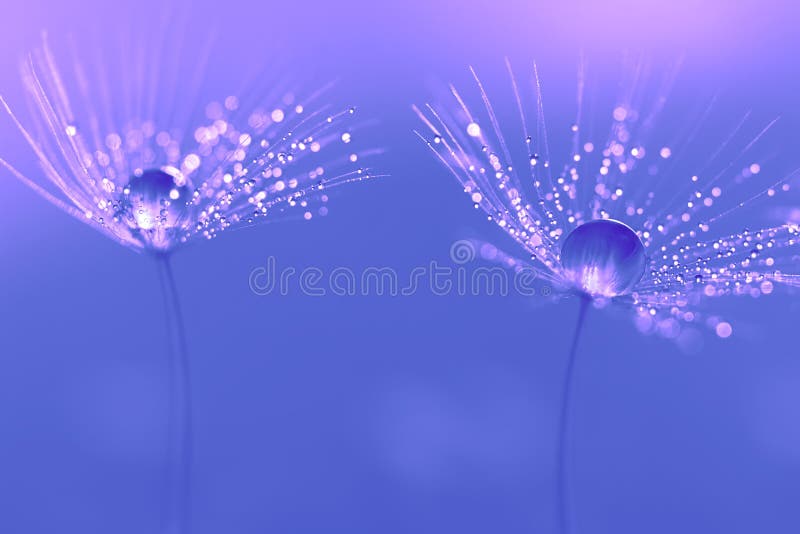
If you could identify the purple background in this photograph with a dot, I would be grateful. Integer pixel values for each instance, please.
(363, 415)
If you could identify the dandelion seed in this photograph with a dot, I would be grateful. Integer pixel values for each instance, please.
(140, 181)
(160, 189)
(619, 224)
(605, 225)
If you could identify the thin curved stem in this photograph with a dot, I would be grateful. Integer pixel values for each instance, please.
(563, 423)
(177, 506)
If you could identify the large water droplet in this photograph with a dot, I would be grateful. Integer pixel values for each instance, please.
(603, 258)
(155, 200)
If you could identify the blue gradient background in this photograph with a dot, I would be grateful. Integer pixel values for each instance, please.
(376, 415)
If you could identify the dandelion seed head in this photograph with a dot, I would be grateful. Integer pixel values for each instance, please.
(153, 184)
(627, 219)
